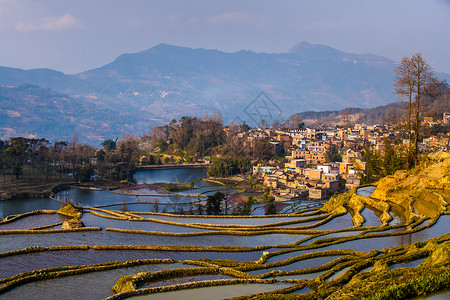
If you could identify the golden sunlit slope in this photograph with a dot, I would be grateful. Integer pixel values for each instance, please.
(429, 181)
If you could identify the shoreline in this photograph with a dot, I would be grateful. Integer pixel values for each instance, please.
(48, 191)
(168, 167)
(57, 187)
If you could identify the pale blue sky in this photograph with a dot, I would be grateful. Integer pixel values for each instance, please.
(73, 36)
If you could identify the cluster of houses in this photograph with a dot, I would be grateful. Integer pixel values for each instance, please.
(307, 172)
(439, 141)
(302, 177)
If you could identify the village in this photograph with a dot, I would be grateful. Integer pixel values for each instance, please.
(309, 170)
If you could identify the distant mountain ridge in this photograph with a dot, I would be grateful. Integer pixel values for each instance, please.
(164, 82)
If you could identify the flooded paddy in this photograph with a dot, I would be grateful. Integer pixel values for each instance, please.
(409, 264)
(98, 284)
(301, 276)
(230, 221)
(366, 191)
(341, 222)
(91, 220)
(372, 217)
(20, 206)
(185, 279)
(217, 292)
(303, 264)
(33, 221)
(92, 238)
(13, 265)
(246, 248)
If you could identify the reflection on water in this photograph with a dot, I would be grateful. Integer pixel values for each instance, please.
(368, 244)
(91, 220)
(337, 274)
(444, 295)
(302, 291)
(302, 276)
(409, 264)
(33, 221)
(216, 292)
(13, 242)
(303, 264)
(340, 222)
(88, 197)
(20, 206)
(372, 219)
(366, 191)
(438, 229)
(169, 175)
(181, 280)
(228, 221)
(13, 265)
(426, 208)
(398, 213)
(98, 284)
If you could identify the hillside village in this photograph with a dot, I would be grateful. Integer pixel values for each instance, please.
(309, 171)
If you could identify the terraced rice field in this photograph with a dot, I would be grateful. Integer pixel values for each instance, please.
(304, 253)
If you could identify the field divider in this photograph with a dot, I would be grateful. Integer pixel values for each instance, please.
(13, 218)
(62, 271)
(41, 231)
(46, 226)
(189, 285)
(292, 215)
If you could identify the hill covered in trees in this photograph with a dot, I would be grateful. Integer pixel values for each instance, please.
(166, 82)
(434, 107)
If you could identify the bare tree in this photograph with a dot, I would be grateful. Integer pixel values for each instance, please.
(275, 124)
(415, 79)
(263, 124)
(345, 114)
(295, 122)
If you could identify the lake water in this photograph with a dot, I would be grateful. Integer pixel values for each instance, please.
(99, 198)
(169, 175)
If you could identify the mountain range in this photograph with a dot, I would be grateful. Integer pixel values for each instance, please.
(165, 82)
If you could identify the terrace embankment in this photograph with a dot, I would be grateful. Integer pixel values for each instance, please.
(331, 253)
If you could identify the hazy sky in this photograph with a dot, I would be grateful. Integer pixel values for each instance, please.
(73, 36)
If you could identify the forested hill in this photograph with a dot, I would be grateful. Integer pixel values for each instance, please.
(385, 114)
(166, 82)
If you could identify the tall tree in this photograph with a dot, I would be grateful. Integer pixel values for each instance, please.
(414, 81)
(391, 160)
(345, 114)
(295, 122)
(109, 145)
(213, 203)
